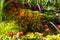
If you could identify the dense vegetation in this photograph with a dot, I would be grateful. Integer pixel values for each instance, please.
(29, 19)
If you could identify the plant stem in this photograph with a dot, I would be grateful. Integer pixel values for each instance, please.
(1, 9)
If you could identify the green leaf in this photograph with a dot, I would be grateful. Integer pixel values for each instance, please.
(1, 9)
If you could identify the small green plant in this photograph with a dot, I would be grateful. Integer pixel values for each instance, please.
(8, 27)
